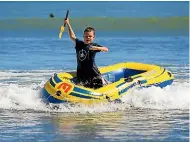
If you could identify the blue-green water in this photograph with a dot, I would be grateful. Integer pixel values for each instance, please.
(147, 32)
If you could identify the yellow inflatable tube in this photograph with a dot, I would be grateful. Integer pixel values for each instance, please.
(122, 78)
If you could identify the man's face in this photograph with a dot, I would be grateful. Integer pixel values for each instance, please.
(88, 37)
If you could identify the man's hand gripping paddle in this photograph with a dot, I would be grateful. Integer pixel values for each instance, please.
(63, 26)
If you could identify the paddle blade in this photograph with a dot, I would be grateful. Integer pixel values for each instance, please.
(61, 31)
(63, 27)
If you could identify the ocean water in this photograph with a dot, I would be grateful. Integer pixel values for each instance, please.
(30, 53)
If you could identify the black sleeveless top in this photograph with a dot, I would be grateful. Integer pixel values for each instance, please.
(86, 67)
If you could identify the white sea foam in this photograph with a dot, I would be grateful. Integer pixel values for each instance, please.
(20, 90)
(176, 96)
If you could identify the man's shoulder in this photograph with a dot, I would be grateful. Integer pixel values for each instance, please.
(95, 44)
(78, 43)
(78, 40)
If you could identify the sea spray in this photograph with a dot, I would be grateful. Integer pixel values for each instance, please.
(175, 96)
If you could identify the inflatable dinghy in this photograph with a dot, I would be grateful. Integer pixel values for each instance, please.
(122, 78)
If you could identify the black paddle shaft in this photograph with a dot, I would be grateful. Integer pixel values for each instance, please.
(66, 16)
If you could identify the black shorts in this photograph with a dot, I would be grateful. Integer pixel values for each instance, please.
(95, 82)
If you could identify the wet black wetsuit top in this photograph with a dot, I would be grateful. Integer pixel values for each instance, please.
(86, 67)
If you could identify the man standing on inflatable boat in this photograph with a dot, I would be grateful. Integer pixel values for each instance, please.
(88, 74)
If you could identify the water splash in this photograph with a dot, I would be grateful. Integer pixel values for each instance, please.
(175, 96)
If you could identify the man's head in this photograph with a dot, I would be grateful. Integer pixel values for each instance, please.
(89, 35)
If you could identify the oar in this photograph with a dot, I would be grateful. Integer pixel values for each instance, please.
(63, 26)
